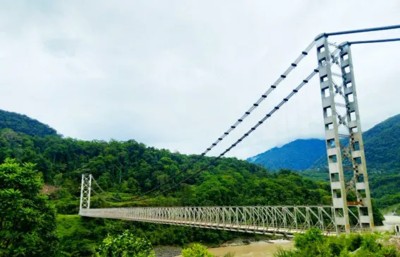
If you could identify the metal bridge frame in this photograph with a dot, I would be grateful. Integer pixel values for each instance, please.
(250, 219)
(285, 220)
(351, 201)
(343, 157)
(86, 189)
(345, 150)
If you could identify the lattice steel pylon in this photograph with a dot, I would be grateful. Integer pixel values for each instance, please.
(344, 143)
(86, 186)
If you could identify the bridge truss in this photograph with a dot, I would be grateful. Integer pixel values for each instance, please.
(251, 219)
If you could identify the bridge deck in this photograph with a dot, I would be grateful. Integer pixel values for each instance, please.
(250, 219)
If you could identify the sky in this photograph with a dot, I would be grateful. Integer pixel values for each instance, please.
(177, 74)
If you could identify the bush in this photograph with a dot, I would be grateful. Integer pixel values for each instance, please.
(313, 243)
(125, 245)
(196, 250)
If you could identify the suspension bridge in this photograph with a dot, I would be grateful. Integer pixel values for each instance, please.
(341, 123)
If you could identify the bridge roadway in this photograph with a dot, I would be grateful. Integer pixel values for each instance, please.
(285, 220)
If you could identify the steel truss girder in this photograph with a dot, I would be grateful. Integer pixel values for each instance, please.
(250, 219)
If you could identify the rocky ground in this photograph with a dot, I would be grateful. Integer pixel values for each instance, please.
(395, 240)
(167, 251)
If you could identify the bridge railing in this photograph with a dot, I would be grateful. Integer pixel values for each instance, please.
(254, 219)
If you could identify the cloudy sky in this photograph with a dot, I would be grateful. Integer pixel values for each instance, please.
(177, 74)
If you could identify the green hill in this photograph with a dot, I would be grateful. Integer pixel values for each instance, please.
(382, 150)
(382, 145)
(24, 124)
(132, 174)
(300, 154)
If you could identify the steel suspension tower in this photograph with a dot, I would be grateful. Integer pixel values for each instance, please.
(343, 137)
(86, 187)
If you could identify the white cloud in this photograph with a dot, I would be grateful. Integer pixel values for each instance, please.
(176, 74)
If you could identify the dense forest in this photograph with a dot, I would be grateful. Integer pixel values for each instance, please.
(132, 174)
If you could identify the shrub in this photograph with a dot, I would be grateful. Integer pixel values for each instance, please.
(196, 250)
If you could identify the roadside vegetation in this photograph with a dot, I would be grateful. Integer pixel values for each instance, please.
(313, 243)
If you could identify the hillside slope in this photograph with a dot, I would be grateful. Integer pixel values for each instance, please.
(24, 124)
(382, 145)
(297, 155)
(382, 150)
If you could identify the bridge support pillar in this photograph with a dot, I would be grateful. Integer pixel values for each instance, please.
(86, 186)
(343, 137)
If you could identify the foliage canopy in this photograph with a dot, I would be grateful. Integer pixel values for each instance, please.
(125, 245)
(27, 221)
(196, 250)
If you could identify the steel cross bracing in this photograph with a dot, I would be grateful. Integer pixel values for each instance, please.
(251, 219)
(344, 142)
(86, 189)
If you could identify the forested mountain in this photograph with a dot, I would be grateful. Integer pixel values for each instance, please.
(24, 124)
(382, 150)
(131, 167)
(300, 154)
(382, 145)
(128, 170)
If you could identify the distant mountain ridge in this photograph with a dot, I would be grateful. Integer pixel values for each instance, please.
(382, 150)
(23, 124)
(296, 155)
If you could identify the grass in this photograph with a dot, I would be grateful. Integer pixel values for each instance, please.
(393, 208)
(74, 236)
(67, 224)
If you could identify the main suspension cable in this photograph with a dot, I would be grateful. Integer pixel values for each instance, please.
(259, 123)
(262, 98)
(285, 100)
(361, 30)
(387, 40)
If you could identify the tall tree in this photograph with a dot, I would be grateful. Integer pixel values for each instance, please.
(27, 221)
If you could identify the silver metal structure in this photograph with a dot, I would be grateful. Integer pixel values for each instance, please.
(251, 219)
(351, 202)
(86, 188)
(344, 143)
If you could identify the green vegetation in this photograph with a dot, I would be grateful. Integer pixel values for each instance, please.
(126, 171)
(300, 154)
(313, 243)
(196, 250)
(125, 245)
(385, 189)
(382, 148)
(384, 141)
(129, 169)
(24, 124)
(27, 221)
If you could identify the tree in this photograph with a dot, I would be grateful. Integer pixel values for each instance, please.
(196, 250)
(27, 220)
(125, 245)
